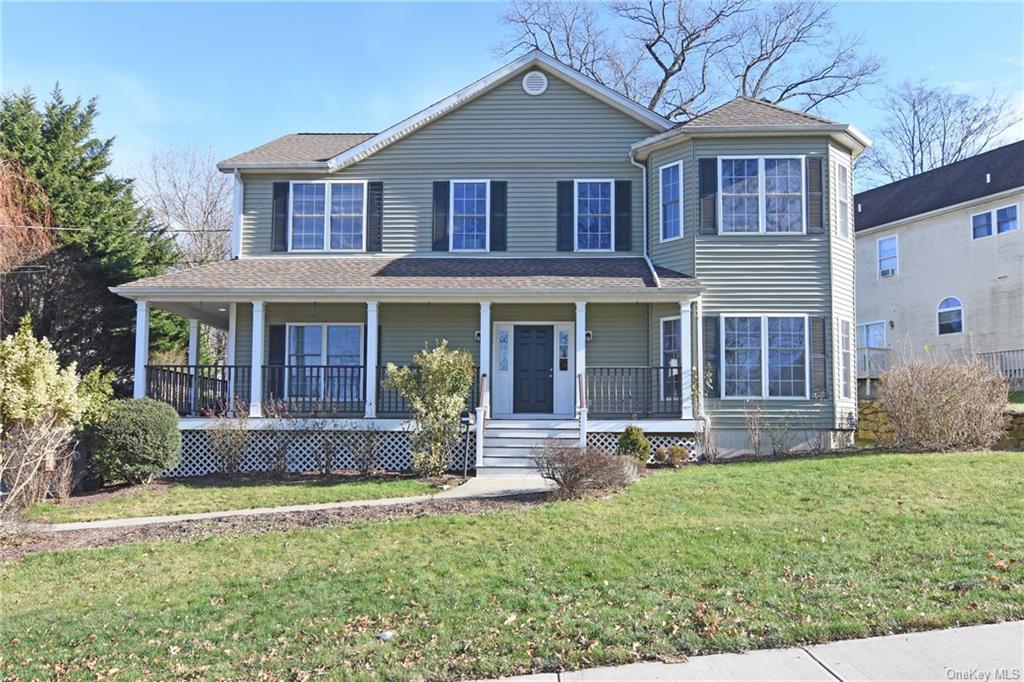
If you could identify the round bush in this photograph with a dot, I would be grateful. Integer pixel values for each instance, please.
(139, 439)
(634, 444)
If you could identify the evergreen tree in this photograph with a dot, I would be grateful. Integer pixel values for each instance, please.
(114, 240)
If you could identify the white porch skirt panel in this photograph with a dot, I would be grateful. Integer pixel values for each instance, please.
(608, 442)
(305, 452)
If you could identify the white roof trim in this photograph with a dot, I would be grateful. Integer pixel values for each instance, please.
(682, 133)
(474, 90)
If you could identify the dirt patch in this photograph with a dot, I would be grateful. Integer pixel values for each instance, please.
(32, 543)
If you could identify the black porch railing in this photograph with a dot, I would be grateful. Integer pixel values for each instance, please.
(314, 391)
(203, 390)
(634, 392)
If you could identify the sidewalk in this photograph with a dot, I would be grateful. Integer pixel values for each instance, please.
(984, 653)
(472, 488)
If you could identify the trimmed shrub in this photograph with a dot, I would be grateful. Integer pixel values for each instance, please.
(584, 471)
(139, 439)
(634, 444)
(673, 456)
(944, 406)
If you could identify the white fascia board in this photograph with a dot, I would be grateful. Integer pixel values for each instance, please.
(855, 139)
(488, 82)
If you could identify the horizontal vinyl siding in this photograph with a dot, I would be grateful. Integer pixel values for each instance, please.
(765, 274)
(530, 142)
(619, 334)
(406, 328)
(533, 312)
(676, 254)
(843, 265)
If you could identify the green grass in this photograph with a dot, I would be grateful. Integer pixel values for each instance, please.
(186, 498)
(1017, 398)
(715, 558)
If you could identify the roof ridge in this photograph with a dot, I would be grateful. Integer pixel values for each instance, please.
(312, 132)
(939, 168)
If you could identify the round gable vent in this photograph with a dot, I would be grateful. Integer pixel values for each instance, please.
(535, 83)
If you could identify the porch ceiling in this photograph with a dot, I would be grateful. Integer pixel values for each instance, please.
(209, 313)
(418, 278)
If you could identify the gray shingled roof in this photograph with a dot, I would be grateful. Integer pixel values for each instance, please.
(747, 111)
(298, 148)
(339, 273)
(946, 186)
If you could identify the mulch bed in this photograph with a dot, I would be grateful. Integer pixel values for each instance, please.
(32, 543)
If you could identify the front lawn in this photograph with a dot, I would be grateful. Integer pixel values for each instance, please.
(704, 559)
(203, 495)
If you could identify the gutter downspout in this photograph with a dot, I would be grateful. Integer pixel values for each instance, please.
(647, 258)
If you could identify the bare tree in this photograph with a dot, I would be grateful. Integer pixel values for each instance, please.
(680, 57)
(187, 193)
(24, 215)
(929, 126)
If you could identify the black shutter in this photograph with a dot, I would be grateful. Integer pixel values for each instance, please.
(565, 213)
(375, 216)
(274, 375)
(279, 233)
(708, 191)
(623, 215)
(815, 196)
(819, 341)
(499, 215)
(441, 190)
(710, 364)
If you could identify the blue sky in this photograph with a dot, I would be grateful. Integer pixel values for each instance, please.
(231, 76)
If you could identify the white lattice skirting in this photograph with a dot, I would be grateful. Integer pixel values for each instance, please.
(305, 451)
(608, 442)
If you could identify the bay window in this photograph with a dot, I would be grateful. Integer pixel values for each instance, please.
(761, 194)
(843, 199)
(327, 216)
(764, 356)
(671, 201)
(594, 210)
(470, 211)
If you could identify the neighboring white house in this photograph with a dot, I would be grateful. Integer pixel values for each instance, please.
(940, 262)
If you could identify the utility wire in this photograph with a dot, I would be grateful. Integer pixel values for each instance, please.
(91, 229)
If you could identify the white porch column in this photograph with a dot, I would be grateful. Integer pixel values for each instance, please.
(229, 355)
(685, 361)
(141, 347)
(256, 364)
(370, 373)
(581, 368)
(485, 348)
(699, 335)
(193, 361)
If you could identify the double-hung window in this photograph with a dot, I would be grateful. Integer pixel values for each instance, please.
(671, 359)
(761, 194)
(470, 215)
(846, 338)
(1000, 220)
(325, 362)
(888, 256)
(595, 211)
(950, 316)
(328, 216)
(871, 335)
(671, 201)
(764, 356)
(843, 199)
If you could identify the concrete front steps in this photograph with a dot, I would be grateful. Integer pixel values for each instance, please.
(511, 445)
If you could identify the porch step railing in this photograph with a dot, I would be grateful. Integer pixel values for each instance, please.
(202, 390)
(633, 392)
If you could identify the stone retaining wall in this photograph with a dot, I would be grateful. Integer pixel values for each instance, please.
(873, 426)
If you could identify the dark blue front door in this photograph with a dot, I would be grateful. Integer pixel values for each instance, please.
(533, 369)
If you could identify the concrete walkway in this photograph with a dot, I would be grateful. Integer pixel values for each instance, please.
(474, 488)
(982, 653)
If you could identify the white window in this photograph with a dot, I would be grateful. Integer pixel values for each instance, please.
(315, 227)
(888, 256)
(595, 211)
(324, 361)
(846, 338)
(871, 335)
(951, 316)
(671, 201)
(761, 194)
(470, 215)
(1000, 220)
(671, 358)
(764, 356)
(843, 199)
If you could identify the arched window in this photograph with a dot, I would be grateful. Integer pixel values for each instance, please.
(951, 316)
